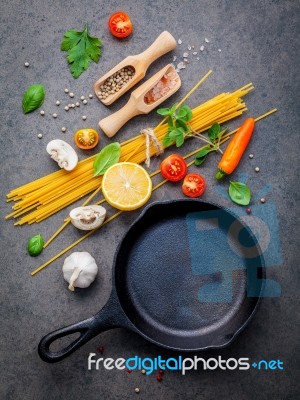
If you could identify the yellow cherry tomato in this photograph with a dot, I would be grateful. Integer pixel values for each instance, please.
(86, 138)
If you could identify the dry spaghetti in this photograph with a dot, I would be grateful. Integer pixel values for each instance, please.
(40, 199)
(114, 216)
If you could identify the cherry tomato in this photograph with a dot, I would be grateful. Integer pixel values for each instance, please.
(173, 168)
(120, 25)
(86, 139)
(193, 185)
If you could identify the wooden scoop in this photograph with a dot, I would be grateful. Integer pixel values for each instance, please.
(139, 65)
(142, 100)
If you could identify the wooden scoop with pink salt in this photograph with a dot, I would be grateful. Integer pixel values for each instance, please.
(144, 99)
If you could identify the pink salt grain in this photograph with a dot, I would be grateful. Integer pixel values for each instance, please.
(161, 89)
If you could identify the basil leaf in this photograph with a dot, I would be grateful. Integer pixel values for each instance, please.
(203, 152)
(167, 141)
(177, 135)
(174, 133)
(181, 113)
(239, 193)
(214, 131)
(201, 156)
(107, 157)
(163, 111)
(170, 122)
(185, 113)
(33, 98)
(35, 245)
(179, 140)
(180, 123)
(200, 160)
(173, 108)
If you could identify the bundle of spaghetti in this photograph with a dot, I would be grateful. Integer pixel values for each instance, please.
(118, 213)
(42, 198)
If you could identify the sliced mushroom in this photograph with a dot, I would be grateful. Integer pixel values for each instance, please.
(63, 154)
(88, 217)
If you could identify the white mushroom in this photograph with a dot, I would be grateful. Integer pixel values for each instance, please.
(63, 154)
(88, 217)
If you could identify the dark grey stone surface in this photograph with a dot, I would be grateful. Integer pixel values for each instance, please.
(259, 42)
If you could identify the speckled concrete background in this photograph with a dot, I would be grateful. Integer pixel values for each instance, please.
(259, 42)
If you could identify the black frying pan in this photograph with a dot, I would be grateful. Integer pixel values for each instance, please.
(187, 276)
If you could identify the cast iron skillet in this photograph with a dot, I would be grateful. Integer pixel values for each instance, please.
(178, 281)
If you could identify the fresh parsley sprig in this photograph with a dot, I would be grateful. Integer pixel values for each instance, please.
(81, 49)
(179, 129)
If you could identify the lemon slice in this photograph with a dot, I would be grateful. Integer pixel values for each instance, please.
(126, 186)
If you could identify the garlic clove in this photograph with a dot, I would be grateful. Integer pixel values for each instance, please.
(73, 278)
(79, 270)
(61, 152)
(88, 217)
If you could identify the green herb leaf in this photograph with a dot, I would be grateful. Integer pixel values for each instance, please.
(167, 141)
(163, 111)
(181, 113)
(35, 245)
(200, 160)
(201, 155)
(179, 140)
(107, 157)
(203, 152)
(214, 131)
(81, 49)
(184, 113)
(180, 123)
(177, 135)
(33, 98)
(173, 108)
(177, 127)
(174, 133)
(170, 123)
(239, 193)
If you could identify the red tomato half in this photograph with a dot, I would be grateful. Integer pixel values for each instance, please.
(120, 25)
(193, 185)
(173, 168)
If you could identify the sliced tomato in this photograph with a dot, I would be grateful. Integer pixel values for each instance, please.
(193, 185)
(86, 139)
(120, 25)
(173, 168)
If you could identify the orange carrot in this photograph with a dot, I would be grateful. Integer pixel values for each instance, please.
(235, 149)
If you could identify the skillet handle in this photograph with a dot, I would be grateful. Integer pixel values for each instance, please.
(86, 333)
(111, 316)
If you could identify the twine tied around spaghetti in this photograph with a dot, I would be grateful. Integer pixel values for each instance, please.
(151, 139)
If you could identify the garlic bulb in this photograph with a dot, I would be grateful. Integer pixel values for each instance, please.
(88, 217)
(79, 270)
(64, 154)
